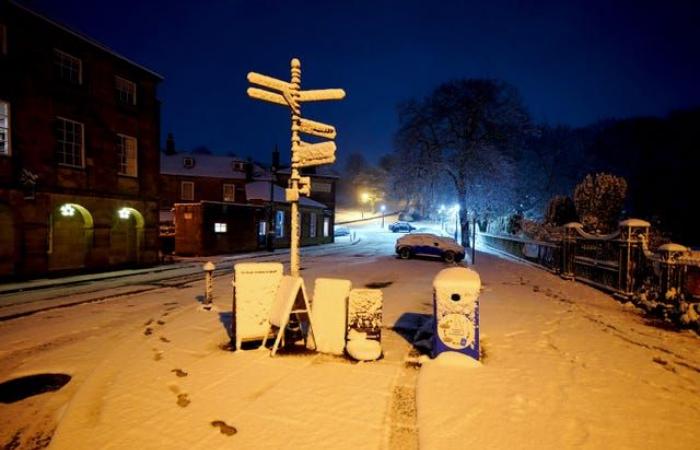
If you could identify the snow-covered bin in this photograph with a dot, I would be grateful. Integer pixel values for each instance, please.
(330, 312)
(365, 312)
(254, 290)
(456, 310)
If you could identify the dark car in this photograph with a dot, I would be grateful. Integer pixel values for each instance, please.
(427, 244)
(401, 227)
(340, 230)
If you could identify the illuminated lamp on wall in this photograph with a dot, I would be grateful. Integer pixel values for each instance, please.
(67, 210)
(124, 213)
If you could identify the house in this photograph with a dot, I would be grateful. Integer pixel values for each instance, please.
(79, 151)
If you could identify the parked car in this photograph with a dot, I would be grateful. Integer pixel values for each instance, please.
(340, 230)
(401, 227)
(428, 244)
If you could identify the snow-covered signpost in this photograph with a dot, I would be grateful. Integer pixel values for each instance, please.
(304, 154)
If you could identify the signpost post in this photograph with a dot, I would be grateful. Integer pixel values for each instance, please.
(303, 154)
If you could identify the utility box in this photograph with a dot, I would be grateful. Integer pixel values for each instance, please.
(456, 311)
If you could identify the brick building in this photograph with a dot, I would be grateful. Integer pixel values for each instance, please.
(79, 151)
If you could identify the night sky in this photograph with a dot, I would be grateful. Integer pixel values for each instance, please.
(573, 62)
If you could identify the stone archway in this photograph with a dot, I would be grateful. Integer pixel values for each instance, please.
(126, 237)
(7, 241)
(70, 237)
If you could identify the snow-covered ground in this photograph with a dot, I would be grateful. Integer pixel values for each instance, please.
(564, 366)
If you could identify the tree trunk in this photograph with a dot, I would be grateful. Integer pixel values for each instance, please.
(464, 227)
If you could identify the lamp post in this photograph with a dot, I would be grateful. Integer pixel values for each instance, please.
(365, 199)
(456, 211)
(382, 209)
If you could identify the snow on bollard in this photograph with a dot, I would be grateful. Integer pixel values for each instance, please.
(456, 310)
(208, 282)
(330, 314)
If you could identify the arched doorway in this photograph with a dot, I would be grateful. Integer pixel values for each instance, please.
(70, 236)
(126, 237)
(7, 241)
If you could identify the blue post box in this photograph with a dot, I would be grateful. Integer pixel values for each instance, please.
(456, 311)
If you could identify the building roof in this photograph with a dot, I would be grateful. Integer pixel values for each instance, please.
(85, 38)
(260, 190)
(213, 166)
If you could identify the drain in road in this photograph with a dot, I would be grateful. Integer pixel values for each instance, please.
(20, 388)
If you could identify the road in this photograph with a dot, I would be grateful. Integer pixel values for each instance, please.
(556, 350)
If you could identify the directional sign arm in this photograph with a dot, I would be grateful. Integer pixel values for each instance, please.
(315, 154)
(267, 96)
(317, 129)
(268, 82)
(321, 94)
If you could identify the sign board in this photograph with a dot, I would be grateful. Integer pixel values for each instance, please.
(330, 314)
(287, 294)
(456, 311)
(317, 95)
(365, 312)
(315, 154)
(255, 288)
(268, 82)
(317, 129)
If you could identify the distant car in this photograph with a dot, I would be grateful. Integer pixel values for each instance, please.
(429, 245)
(340, 230)
(401, 227)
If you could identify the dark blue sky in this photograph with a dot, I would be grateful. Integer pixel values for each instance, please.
(574, 62)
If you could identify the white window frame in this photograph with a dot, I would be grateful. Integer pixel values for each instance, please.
(5, 117)
(188, 162)
(321, 186)
(62, 60)
(220, 227)
(182, 190)
(326, 226)
(312, 224)
(238, 166)
(124, 162)
(62, 142)
(232, 187)
(125, 89)
(279, 223)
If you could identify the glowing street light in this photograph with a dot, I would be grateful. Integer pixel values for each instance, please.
(67, 210)
(365, 198)
(124, 213)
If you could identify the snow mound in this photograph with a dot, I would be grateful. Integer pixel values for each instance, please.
(361, 348)
(456, 360)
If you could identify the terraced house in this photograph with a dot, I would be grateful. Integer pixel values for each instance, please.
(79, 151)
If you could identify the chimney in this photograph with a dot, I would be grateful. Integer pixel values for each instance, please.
(249, 170)
(170, 145)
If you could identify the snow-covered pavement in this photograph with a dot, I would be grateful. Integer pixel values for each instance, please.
(565, 366)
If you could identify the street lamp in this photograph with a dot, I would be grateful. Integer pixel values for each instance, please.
(365, 199)
(382, 209)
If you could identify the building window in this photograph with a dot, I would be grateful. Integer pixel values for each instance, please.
(188, 162)
(238, 166)
(312, 225)
(127, 150)
(229, 192)
(219, 227)
(4, 128)
(3, 39)
(320, 186)
(262, 228)
(71, 142)
(187, 190)
(326, 226)
(68, 67)
(126, 90)
(279, 224)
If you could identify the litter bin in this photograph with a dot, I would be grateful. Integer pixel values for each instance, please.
(456, 311)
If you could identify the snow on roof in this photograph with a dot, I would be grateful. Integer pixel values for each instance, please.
(260, 190)
(86, 38)
(215, 166)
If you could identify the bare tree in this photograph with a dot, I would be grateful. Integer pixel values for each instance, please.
(465, 134)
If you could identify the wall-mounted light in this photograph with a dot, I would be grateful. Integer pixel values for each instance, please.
(67, 210)
(124, 213)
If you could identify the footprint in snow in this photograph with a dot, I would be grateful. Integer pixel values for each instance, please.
(179, 372)
(164, 339)
(224, 428)
(157, 354)
(160, 322)
(148, 331)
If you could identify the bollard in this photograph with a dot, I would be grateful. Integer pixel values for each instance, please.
(208, 282)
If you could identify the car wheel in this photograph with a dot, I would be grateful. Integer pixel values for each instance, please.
(449, 257)
(405, 253)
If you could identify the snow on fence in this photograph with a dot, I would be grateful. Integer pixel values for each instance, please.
(665, 282)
